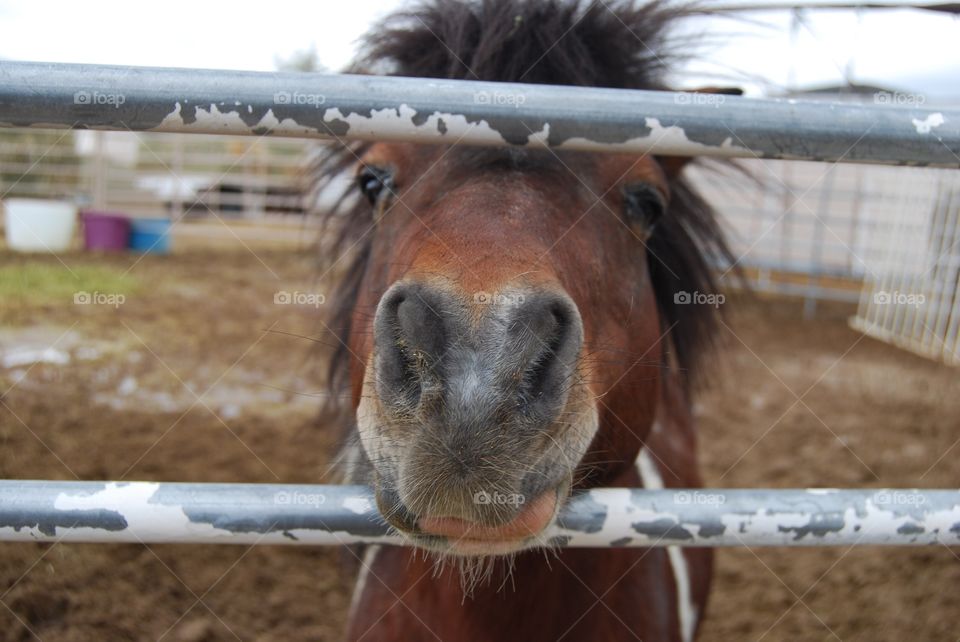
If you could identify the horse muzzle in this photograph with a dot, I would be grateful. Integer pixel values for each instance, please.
(474, 416)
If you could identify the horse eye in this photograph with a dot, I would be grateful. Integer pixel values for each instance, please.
(372, 182)
(645, 206)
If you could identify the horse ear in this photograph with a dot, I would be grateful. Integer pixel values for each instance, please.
(673, 165)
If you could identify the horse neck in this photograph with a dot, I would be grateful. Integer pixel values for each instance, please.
(540, 596)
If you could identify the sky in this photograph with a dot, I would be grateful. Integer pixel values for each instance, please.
(907, 50)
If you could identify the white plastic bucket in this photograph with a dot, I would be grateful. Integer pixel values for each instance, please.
(35, 225)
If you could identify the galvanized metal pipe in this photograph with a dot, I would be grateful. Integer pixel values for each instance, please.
(419, 110)
(151, 512)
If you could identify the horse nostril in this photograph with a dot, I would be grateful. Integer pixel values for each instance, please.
(410, 335)
(547, 340)
(519, 357)
(546, 335)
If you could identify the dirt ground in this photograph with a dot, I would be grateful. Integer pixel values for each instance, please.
(134, 391)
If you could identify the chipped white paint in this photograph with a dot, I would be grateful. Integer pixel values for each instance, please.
(206, 120)
(676, 136)
(173, 119)
(397, 124)
(213, 120)
(251, 514)
(540, 138)
(686, 610)
(291, 537)
(287, 125)
(150, 521)
(926, 125)
(739, 525)
(42, 95)
(704, 517)
(358, 505)
(458, 129)
(664, 140)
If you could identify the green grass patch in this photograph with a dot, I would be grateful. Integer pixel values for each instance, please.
(37, 282)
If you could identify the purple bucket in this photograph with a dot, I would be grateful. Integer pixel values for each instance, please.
(105, 231)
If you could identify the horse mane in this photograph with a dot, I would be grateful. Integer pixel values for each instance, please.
(615, 44)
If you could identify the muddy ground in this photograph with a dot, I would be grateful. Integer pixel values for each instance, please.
(117, 398)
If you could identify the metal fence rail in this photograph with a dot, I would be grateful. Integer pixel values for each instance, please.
(147, 512)
(471, 113)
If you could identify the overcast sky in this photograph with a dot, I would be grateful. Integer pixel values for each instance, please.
(905, 49)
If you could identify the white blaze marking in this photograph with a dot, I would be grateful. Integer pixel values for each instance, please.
(369, 557)
(686, 611)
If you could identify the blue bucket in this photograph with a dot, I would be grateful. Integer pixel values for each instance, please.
(150, 235)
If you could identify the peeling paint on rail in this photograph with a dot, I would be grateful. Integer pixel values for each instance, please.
(350, 107)
(151, 512)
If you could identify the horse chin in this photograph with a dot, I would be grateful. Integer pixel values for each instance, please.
(469, 548)
(526, 531)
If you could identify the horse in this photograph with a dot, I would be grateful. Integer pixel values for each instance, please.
(512, 326)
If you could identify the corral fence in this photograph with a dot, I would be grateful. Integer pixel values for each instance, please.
(148, 174)
(912, 298)
(346, 108)
(799, 228)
